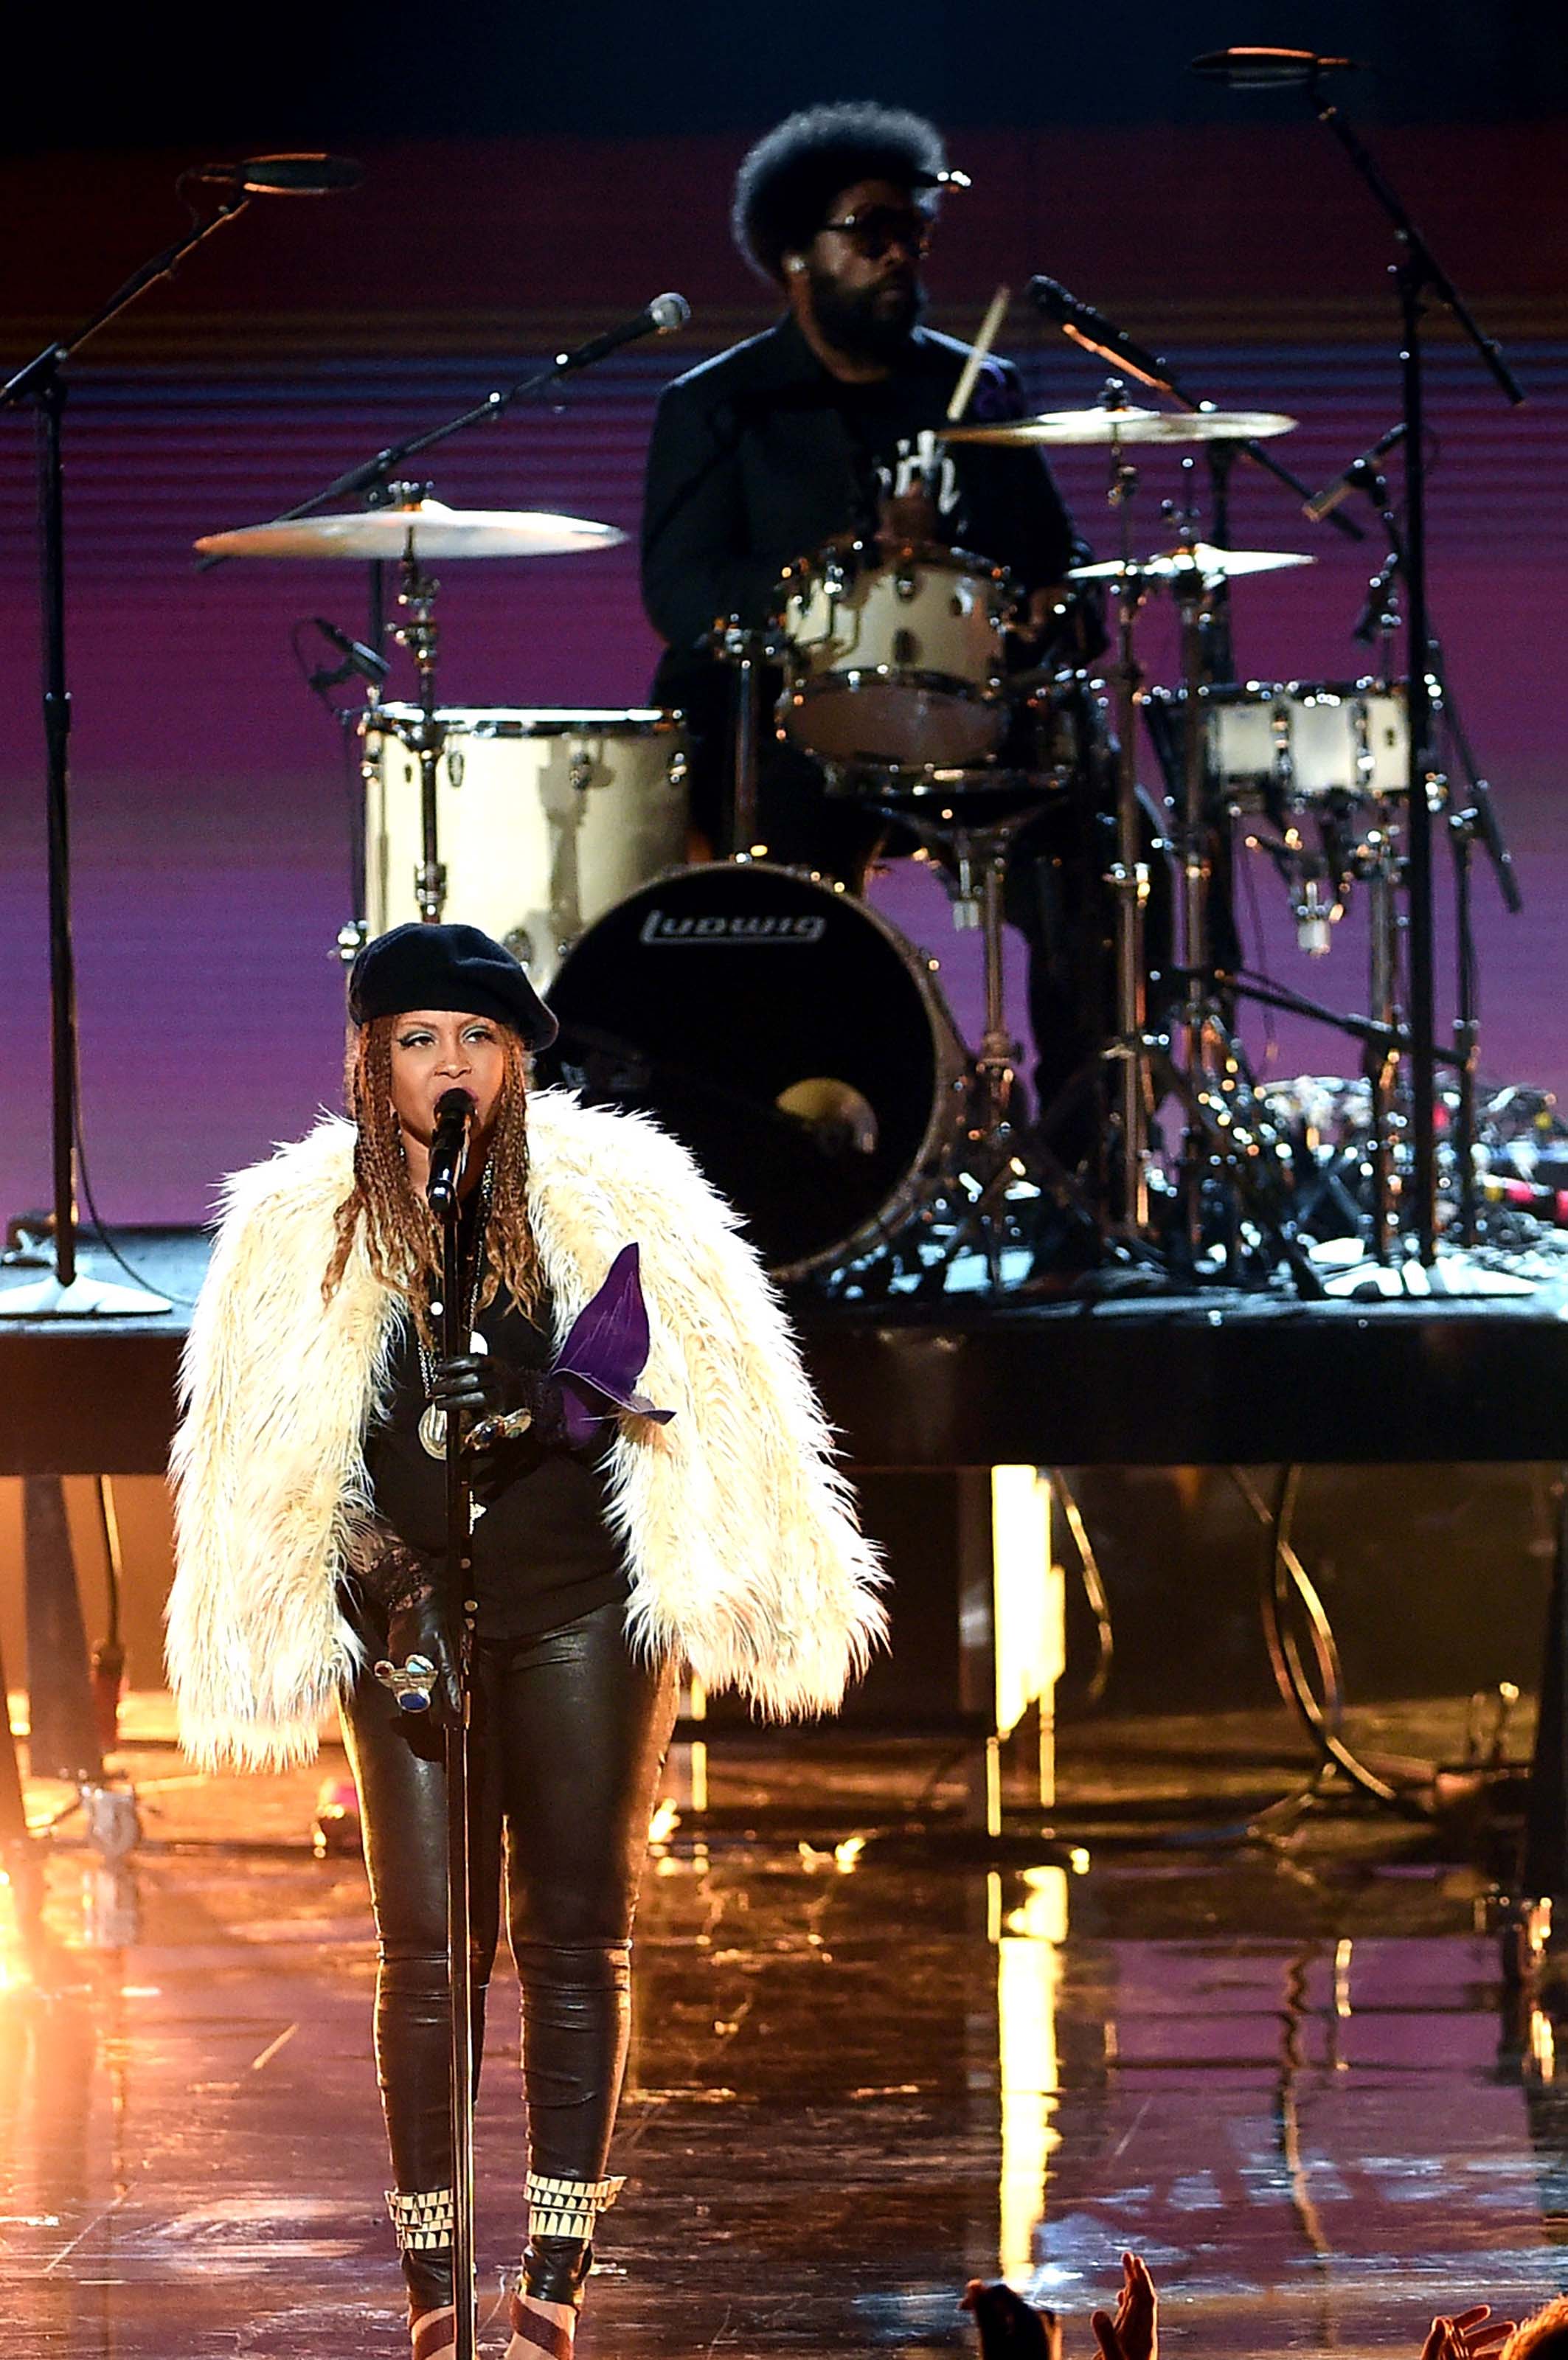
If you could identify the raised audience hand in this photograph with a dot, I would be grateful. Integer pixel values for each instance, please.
(1008, 2328)
(1133, 2332)
(1468, 2334)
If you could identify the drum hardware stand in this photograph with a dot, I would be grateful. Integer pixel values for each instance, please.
(40, 383)
(750, 652)
(991, 1162)
(426, 739)
(1128, 881)
(1418, 277)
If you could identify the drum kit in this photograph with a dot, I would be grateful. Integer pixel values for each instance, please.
(780, 1025)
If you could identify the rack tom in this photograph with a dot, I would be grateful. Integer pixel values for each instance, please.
(894, 657)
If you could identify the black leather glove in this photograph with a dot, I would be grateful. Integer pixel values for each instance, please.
(503, 1449)
(475, 1384)
(420, 1666)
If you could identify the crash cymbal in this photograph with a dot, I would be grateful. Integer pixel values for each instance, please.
(1202, 557)
(428, 528)
(1126, 422)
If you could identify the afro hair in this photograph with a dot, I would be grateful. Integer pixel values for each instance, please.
(785, 183)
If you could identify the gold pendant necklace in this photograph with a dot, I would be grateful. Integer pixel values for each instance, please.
(433, 1423)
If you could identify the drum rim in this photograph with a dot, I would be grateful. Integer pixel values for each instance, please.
(887, 561)
(854, 677)
(950, 1059)
(1267, 692)
(537, 721)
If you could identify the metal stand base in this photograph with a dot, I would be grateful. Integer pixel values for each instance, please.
(84, 1298)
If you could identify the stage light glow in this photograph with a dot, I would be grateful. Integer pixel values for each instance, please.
(1029, 1606)
(1029, 1977)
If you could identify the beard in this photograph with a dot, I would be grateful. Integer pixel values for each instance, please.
(872, 324)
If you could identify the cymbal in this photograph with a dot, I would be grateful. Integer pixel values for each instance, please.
(1202, 557)
(427, 526)
(1126, 422)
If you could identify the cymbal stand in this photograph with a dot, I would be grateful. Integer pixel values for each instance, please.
(1227, 1128)
(1128, 881)
(1379, 866)
(426, 738)
(1198, 1010)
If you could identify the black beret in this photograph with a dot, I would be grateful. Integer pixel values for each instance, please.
(456, 968)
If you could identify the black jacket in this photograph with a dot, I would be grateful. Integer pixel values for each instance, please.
(751, 465)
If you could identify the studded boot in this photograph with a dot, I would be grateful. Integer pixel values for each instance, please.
(424, 2224)
(556, 2262)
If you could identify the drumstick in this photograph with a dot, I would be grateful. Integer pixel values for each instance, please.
(981, 346)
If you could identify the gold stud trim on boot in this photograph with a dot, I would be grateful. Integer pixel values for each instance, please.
(568, 2207)
(425, 2221)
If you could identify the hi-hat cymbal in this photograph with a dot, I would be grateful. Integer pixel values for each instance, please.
(1126, 422)
(1203, 557)
(424, 527)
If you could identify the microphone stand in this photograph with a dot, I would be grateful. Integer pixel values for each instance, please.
(40, 383)
(1417, 273)
(459, 1937)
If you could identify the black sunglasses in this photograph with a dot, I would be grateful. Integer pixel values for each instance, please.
(882, 227)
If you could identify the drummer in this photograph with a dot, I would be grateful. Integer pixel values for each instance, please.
(761, 456)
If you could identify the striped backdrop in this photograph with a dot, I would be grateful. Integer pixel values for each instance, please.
(210, 789)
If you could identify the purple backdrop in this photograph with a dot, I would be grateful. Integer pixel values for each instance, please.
(210, 790)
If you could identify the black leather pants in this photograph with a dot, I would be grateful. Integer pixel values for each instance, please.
(569, 1736)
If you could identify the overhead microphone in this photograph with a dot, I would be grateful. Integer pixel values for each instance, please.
(1098, 334)
(455, 1111)
(285, 176)
(1257, 67)
(1323, 503)
(356, 656)
(659, 318)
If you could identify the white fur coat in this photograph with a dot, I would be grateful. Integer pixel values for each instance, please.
(739, 1532)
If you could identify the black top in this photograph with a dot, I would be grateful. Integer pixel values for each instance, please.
(762, 455)
(541, 1554)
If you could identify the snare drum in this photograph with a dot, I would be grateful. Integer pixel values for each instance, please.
(544, 819)
(1305, 739)
(793, 1040)
(895, 658)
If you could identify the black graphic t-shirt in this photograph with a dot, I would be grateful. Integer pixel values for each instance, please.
(543, 1552)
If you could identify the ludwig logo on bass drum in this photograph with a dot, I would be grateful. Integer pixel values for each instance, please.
(658, 926)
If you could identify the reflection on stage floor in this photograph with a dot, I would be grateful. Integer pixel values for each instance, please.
(862, 2074)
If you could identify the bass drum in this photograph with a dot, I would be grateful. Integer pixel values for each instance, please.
(790, 1037)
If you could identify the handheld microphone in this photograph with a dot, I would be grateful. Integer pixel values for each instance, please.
(356, 656)
(455, 1111)
(1257, 67)
(1323, 503)
(286, 176)
(659, 318)
(1098, 334)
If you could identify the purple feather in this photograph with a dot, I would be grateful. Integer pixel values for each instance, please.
(605, 1351)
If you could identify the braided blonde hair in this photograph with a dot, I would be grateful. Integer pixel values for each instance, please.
(400, 1235)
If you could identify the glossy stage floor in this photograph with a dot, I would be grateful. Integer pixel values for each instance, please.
(1288, 2073)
